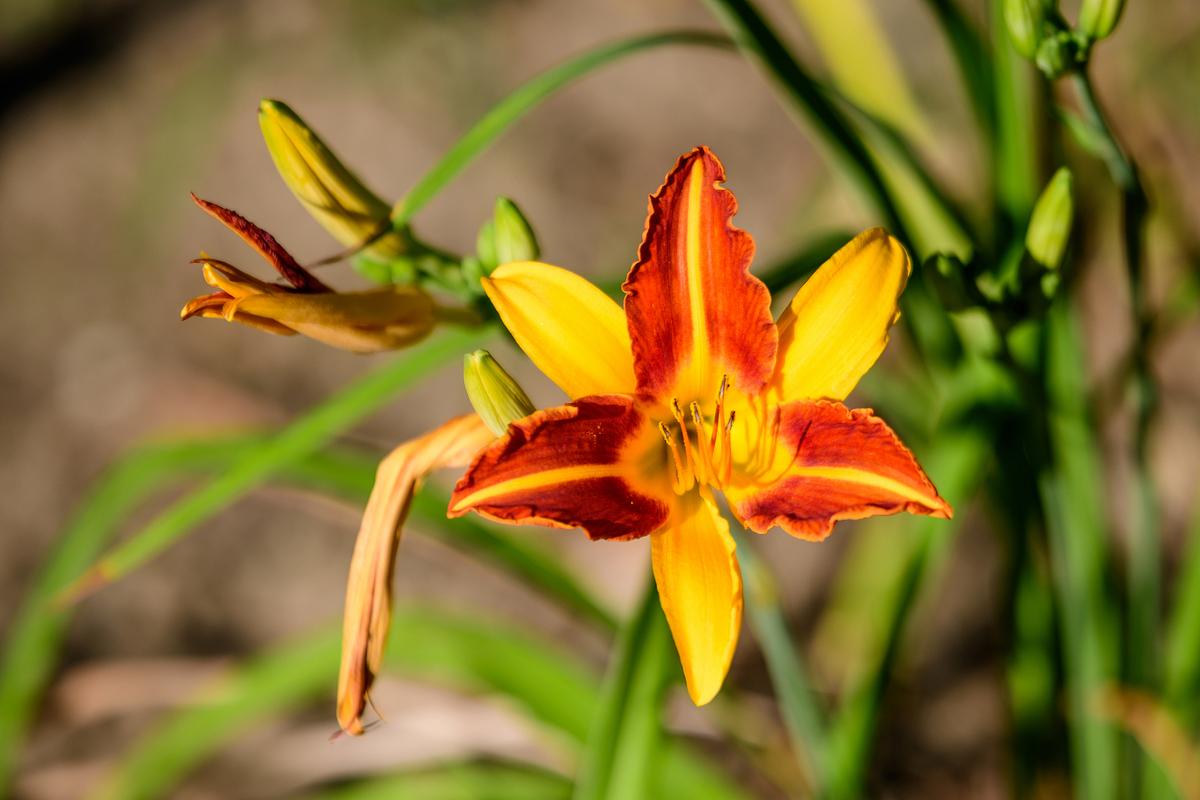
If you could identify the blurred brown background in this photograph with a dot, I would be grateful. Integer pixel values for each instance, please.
(113, 110)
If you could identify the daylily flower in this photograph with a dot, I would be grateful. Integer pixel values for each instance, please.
(362, 322)
(368, 607)
(696, 389)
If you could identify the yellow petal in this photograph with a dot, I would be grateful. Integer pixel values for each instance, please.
(837, 324)
(369, 588)
(700, 587)
(571, 330)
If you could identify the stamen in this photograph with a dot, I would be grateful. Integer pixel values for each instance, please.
(702, 443)
(687, 443)
(727, 456)
(680, 481)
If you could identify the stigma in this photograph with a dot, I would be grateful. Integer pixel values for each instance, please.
(702, 452)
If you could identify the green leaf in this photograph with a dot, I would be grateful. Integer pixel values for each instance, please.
(457, 781)
(802, 715)
(955, 460)
(525, 99)
(469, 654)
(475, 655)
(754, 35)
(973, 58)
(1073, 496)
(1182, 661)
(862, 63)
(33, 643)
(307, 434)
(621, 750)
(350, 474)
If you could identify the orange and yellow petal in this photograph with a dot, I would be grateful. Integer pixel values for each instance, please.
(572, 331)
(700, 587)
(832, 463)
(266, 245)
(837, 324)
(573, 466)
(695, 312)
(369, 588)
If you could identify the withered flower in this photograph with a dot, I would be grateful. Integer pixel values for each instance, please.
(368, 609)
(386, 318)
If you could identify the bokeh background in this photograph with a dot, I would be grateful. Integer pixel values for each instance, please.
(111, 111)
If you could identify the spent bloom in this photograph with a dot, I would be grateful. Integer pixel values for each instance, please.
(369, 588)
(362, 322)
(696, 389)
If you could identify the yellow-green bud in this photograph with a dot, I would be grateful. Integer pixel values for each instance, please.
(1050, 224)
(1098, 18)
(331, 193)
(1024, 20)
(515, 240)
(496, 397)
(506, 237)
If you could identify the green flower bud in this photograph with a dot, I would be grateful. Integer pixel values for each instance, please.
(1098, 18)
(496, 397)
(1050, 224)
(1024, 20)
(331, 193)
(514, 238)
(506, 237)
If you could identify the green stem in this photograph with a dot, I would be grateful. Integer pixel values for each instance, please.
(1144, 569)
(1015, 168)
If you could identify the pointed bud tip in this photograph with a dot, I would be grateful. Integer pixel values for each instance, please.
(496, 397)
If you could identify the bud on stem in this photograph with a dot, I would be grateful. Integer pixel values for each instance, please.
(332, 194)
(496, 397)
(1098, 18)
(1050, 224)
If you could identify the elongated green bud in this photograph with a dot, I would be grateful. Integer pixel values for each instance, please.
(1098, 18)
(1050, 224)
(1024, 19)
(331, 193)
(506, 237)
(496, 397)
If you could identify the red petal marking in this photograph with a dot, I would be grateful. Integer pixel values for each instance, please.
(695, 312)
(846, 465)
(266, 245)
(568, 467)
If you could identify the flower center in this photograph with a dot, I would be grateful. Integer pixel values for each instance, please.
(700, 448)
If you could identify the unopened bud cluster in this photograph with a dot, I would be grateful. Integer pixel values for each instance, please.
(1039, 32)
